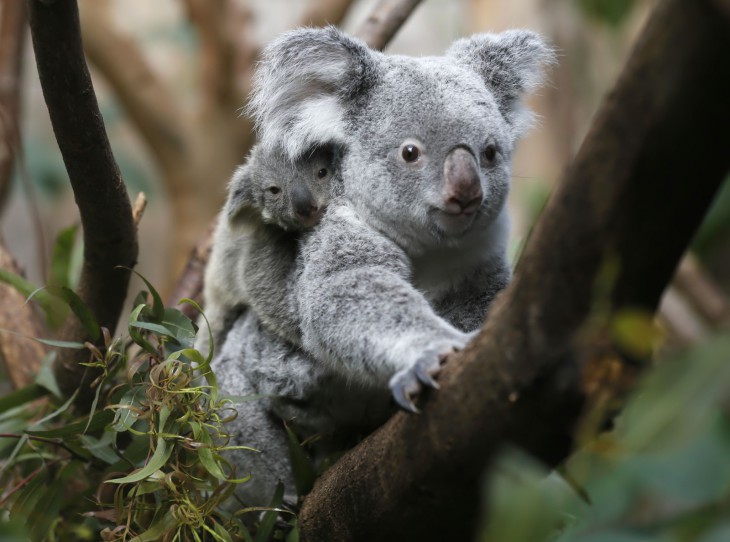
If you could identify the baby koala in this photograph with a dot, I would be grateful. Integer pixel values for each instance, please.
(271, 201)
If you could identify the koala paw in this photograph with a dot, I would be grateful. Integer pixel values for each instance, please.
(407, 383)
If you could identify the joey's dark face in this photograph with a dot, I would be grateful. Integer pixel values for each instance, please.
(295, 194)
(439, 165)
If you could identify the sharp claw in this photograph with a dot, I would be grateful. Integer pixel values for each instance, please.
(400, 396)
(425, 377)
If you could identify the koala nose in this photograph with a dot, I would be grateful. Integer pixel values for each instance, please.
(303, 202)
(463, 190)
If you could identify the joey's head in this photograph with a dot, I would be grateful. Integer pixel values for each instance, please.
(290, 193)
(429, 140)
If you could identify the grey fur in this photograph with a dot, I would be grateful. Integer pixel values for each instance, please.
(255, 241)
(409, 255)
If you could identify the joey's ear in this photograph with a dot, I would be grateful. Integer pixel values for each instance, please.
(304, 85)
(241, 200)
(511, 64)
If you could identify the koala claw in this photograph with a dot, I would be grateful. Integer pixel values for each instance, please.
(409, 382)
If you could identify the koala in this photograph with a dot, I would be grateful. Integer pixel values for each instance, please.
(411, 250)
(406, 261)
(271, 200)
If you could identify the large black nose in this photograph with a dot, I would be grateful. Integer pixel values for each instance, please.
(303, 201)
(462, 190)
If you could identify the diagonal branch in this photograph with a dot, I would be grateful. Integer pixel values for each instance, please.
(143, 94)
(384, 21)
(661, 132)
(324, 12)
(110, 239)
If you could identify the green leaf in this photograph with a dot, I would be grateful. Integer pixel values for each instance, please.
(54, 310)
(98, 421)
(302, 468)
(45, 376)
(124, 418)
(158, 307)
(49, 342)
(136, 335)
(22, 396)
(25, 499)
(159, 457)
(158, 528)
(79, 308)
(61, 259)
(268, 522)
(206, 455)
(100, 448)
(293, 535)
(156, 462)
(49, 504)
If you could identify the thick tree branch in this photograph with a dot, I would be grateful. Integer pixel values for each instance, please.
(662, 133)
(110, 238)
(385, 20)
(12, 38)
(147, 100)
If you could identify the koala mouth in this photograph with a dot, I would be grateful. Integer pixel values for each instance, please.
(453, 223)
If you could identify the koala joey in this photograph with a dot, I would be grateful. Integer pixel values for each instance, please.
(272, 199)
(407, 258)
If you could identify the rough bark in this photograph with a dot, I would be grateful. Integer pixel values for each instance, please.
(110, 239)
(12, 39)
(617, 224)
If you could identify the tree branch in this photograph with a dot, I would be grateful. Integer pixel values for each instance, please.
(384, 21)
(147, 100)
(110, 239)
(12, 40)
(324, 12)
(661, 132)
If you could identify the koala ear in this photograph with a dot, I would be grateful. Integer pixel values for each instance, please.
(241, 202)
(304, 85)
(511, 64)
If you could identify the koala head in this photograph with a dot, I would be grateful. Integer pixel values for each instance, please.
(275, 189)
(429, 140)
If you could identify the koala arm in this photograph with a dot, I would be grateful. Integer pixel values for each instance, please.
(360, 312)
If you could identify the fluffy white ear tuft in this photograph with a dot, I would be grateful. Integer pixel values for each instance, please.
(511, 64)
(303, 85)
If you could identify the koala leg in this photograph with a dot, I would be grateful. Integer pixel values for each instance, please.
(256, 426)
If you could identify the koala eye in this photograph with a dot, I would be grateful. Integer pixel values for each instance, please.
(489, 153)
(322, 173)
(274, 189)
(410, 153)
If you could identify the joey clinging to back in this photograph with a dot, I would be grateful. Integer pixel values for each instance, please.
(272, 199)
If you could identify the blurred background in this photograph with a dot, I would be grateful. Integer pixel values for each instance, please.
(172, 76)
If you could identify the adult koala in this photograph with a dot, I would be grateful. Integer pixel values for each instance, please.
(406, 260)
(409, 258)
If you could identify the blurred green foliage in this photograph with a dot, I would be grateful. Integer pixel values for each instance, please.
(611, 12)
(663, 474)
